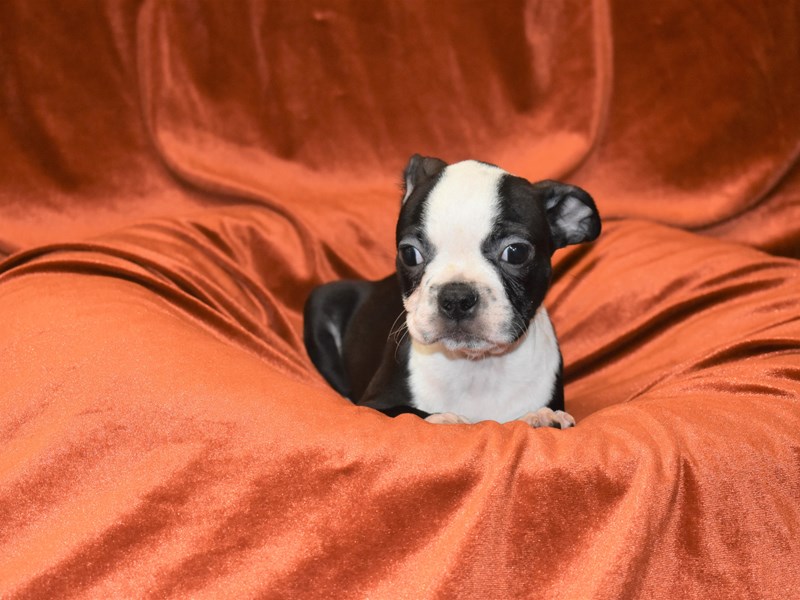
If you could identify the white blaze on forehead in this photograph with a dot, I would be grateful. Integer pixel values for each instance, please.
(459, 215)
(462, 208)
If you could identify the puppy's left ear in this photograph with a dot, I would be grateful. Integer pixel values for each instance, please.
(418, 170)
(571, 213)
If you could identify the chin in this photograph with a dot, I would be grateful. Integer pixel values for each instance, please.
(474, 346)
(463, 342)
(468, 346)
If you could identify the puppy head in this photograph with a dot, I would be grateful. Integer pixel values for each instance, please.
(473, 250)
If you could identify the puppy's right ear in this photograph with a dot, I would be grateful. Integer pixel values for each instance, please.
(418, 170)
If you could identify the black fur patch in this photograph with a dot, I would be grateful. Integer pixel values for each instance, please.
(409, 224)
(521, 216)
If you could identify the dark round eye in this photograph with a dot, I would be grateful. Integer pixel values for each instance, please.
(410, 256)
(516, 254)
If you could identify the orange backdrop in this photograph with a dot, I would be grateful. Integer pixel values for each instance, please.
(175, 176)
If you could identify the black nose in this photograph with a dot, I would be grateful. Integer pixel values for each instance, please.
(457, 301)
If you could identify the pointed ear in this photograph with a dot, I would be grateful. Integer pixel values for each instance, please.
(571, 213)
(418, 170)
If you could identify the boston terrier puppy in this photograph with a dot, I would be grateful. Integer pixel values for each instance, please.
(459, 333)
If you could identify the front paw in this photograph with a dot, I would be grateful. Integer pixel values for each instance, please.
(447, 419)
(545, 417)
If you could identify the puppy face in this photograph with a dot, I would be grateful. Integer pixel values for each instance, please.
(474, 247)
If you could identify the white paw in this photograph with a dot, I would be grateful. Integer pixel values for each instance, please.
(446, 418)
(544, 417)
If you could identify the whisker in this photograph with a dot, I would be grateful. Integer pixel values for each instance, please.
(518, 327)
(392, 330)
(397, 331)
(399, 342)
(404, 331)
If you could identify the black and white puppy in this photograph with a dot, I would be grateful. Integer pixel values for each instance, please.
(459, 334)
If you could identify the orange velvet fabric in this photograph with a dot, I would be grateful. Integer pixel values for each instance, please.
(175, 176)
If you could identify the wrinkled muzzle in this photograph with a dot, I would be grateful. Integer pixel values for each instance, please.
(464, 315)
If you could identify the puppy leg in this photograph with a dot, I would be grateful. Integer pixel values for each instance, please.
(545, 417)
(447, 418)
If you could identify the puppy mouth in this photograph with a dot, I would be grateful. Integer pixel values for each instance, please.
(462, 341)
(475, 336)
(470, 347)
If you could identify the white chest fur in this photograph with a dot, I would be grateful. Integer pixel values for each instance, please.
(499, 388)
